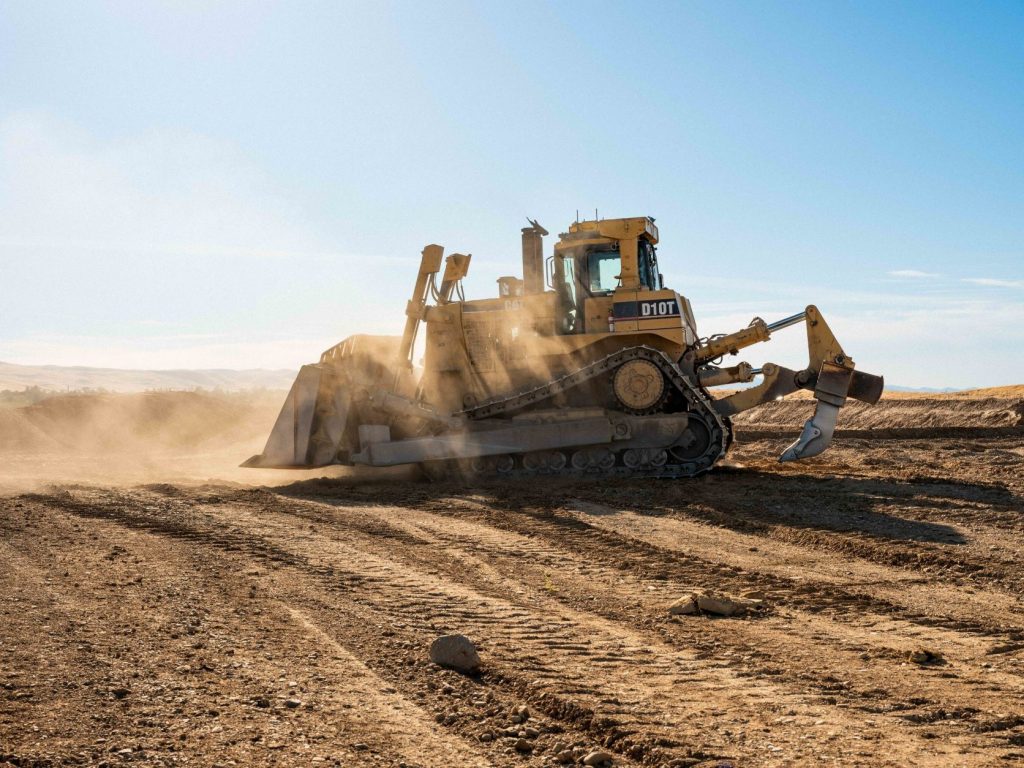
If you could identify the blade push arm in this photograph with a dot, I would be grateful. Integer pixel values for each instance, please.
(430, 265)
(757, 331)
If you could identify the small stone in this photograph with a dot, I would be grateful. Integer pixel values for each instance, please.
(360, 747)
(753, 594)
(925, 656)
(564, 756)
(119, 693)
(523, 712)
(486, 736)
(524, 745)
(531, 733)
(292, 703)
(448, 689)
(598, 757)
(684, 606)
(455, 652)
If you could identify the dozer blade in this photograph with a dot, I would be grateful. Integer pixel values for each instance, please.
(309, 429)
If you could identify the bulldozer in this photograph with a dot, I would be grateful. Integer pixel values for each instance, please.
(587, 364)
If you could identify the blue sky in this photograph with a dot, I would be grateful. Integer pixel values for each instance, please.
(197, 184)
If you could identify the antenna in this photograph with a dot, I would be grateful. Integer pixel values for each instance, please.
(577, 215)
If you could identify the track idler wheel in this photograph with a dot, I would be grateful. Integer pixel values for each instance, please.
(694, 442)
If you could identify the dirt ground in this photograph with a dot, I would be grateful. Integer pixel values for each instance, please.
(164, 613)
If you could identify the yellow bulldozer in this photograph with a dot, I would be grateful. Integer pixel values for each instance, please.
(587, 364)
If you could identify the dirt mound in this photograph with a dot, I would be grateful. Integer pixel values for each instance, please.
(1012, 391)
(18, 434)
(120, 423)
(60, 378)
(181, 437)
(956, 411)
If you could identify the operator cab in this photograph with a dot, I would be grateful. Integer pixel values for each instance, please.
(597, 258)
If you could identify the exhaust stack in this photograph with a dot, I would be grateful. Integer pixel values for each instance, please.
(533, 258)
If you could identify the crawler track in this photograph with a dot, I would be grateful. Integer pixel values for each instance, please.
(701, 446)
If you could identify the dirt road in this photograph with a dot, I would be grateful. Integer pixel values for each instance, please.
(218, 624)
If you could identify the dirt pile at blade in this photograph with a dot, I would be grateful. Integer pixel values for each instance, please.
(19, 434)
(118, 423)
(960, 410)
(151, 437)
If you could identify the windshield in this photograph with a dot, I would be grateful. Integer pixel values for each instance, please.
(603, 268)
(647, 266)
(569, 287)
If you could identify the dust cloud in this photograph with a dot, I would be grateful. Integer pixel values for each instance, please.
(149, 437)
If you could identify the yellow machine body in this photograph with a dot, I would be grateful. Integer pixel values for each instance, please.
(587, 363)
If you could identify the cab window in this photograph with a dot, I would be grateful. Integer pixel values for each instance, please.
(603, 269)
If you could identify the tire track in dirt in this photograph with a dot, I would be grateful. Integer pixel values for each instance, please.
(591, 542)
(351, 698)
(360, 622)
(450, 545)
(568, 610)
(847, 645)
(894, 586)
(942, 527)
(619, 657)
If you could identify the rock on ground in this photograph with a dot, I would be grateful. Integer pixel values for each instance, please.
(684, 606)
(708, 602)
(718, 605)
(455, 652)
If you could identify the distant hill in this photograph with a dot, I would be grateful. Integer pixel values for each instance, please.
(932, 390)
(62, 378)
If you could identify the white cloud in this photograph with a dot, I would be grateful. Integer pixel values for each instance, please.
(912, 273)
(993, 282)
